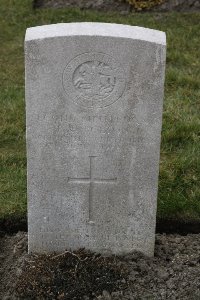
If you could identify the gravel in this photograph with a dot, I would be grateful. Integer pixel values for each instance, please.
(121, 6)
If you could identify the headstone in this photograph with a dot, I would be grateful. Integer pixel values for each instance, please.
(94, 95)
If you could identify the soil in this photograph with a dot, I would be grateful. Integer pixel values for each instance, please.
(173, 273)
(118, 5)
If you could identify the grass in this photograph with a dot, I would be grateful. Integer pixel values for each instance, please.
(179, 182)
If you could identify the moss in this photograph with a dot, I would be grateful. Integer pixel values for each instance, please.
(144, 4)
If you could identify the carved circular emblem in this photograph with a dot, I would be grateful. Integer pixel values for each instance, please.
(94, 80)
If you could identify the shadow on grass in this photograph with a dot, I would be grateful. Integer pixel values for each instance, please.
(13, 224)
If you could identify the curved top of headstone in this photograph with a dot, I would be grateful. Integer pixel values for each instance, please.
(95, 29)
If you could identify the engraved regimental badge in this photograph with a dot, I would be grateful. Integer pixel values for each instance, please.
(93, 80)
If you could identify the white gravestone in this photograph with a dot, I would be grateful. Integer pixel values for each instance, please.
(94, 95)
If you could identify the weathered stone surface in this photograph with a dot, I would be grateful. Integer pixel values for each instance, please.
(94, 97)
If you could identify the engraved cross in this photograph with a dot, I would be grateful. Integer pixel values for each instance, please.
(91, 180)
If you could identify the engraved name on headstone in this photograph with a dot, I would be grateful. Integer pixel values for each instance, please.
(94, 95)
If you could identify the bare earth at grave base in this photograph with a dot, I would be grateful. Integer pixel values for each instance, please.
(174, 272)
